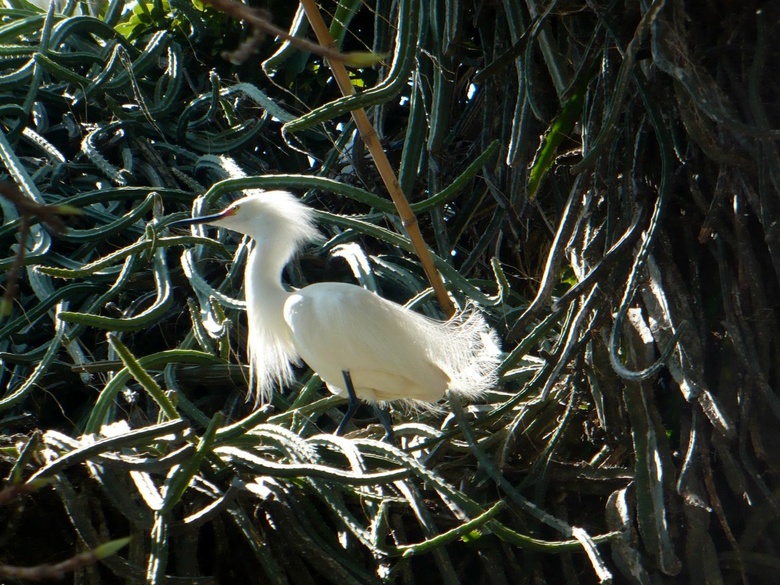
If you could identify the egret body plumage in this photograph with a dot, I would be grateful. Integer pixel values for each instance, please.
(362, 345)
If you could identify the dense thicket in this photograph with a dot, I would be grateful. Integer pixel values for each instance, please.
(601, 178)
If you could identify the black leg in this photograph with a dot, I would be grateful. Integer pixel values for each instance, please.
(384, 417)
(353, 402)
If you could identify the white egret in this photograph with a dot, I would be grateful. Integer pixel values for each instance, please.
(362, 345)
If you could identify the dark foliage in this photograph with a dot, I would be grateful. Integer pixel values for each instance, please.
(601, 178)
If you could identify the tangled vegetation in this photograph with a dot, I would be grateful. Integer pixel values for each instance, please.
(601, 178)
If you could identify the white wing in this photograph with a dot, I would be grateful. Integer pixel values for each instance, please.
(340, 327)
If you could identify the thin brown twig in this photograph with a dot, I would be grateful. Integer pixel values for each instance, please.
(50, 572)
(56, 571)
(28, 209)
(371, 140)
(10, 492)
(261, 22)
(46, 214)
(337, 60)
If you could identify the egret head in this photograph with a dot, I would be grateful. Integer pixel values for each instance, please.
(276, 216)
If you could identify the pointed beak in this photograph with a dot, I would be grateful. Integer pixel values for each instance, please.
(203, 219)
